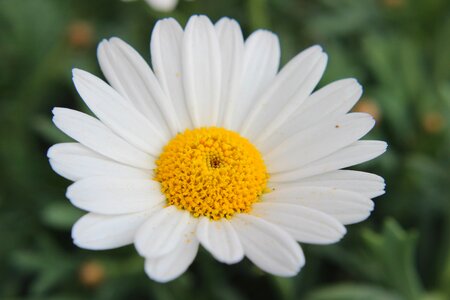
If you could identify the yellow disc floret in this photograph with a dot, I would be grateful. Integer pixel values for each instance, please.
(211, 172)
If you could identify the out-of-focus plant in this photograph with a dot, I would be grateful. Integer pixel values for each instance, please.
(398, 49)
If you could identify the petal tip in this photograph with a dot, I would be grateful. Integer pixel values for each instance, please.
(58, 110)
(51, 151)
(316, 48)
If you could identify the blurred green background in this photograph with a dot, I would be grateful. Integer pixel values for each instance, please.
(398, 49)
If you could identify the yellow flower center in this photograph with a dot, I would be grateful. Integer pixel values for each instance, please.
(211, 172)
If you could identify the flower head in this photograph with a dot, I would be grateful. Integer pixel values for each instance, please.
(161, 5)
(214, 147)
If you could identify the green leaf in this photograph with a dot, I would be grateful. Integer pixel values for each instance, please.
(352, 291)
(61, 215)
(393, 251)
(45, 128)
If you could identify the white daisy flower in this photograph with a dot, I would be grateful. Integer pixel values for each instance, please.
(214, 147)
(161, 5)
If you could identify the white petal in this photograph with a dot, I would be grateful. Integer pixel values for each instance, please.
(163, 5)
(220, 239)
(347, 207)
(99, 232)
(129, 74)
(95, 135)
(166, 61)
(285, 94)
(370, 185)
(329, 102)
(107, 195)
(261, 62)
(114, 111)
(74, 162)
(356, 153)
(267, 246)
(124, 120)
(173, 264)
(162, 104)
(334, 99)
(232, 52)
(304, 224)
(153, 85)
(201, 71)
(317, 142)
(164, 231)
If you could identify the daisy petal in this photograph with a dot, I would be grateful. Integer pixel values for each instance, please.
(164, 231)
(267, 246)
(129, 74)
(318, 142)
(220, 239)
(95, 135)
(285, 94)
(107, 195)
(304, 224)
(333, 100)
(74, 162)
(173, 264)
(124, 120)
(367, 184)
(163, 5)
(166, 61)
(201, 71)
(329, 102)
(153, 86)
(261, 62)
(232, 52)
(347, 207)
(99, 232)
(356, 153)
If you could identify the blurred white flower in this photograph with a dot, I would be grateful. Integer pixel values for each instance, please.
(161, 5)
(214, 147)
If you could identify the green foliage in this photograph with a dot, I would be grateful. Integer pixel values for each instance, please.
(352, 292)
(399, 51)
(393, 250)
